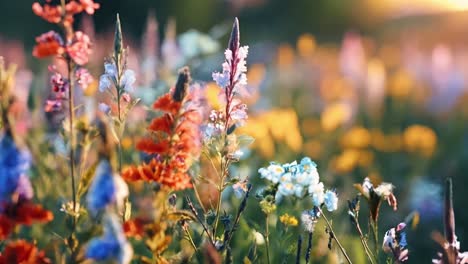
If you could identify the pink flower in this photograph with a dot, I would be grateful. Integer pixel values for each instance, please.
(48, 44)
(83, 78)
(80, 48)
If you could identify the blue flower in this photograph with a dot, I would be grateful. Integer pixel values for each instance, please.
(106, 189)
(331, 200)
(13, 163)
(112, 245)
(109, 78)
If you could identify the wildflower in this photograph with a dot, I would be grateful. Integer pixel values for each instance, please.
(288, 220)
(135, 228)
(71, 209)
(112, 245)
(375, 195)
(335, 115)
(309, 219)
(331, 200)
(233, 79)
(107, 188)
(240, 188)
(295, 179)
(52, 14)
(395, 242)
(80, 48)
(21, 251)
(55, 13)
(172, 158)
(83, 77)
(450, 245)
(13, 165)
(420, 139)
(110, 77)
(48, 44)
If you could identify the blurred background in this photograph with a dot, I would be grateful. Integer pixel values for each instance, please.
(365, 88)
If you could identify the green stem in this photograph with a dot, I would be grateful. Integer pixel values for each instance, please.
(332, 233)
(220, 194)
(368, 251)
(267, 240)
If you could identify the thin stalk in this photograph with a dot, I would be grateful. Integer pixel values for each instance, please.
(368, 251)
(190, 239)
(71, 113)
(267, 241)
(309, 248)
(375, 231)
(332, 233)
(299, 247)
(220, 195)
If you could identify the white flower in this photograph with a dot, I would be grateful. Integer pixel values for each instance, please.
(258, 237)
(384, 190)
(317, 192)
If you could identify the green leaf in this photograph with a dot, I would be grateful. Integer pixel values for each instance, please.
(85, 181)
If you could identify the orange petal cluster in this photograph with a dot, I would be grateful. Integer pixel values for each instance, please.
(21, 213)
(48, 44)
(135, 228)
(80, 48)
(22, 252)
(174, 141)
(53, 13)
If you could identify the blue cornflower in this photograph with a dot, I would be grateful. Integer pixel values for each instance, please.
(106, 189)
(112, 245)
(13, 163)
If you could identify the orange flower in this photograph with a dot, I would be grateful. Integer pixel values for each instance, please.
(52, 14)
(23, 252)
(176, 141)
(48, 44)
(22, 213)
(135, 228)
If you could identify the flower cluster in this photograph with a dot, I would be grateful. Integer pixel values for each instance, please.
(76, 45)
(395, 242)
(174, 139)
(22, 252)
(112, 245)
(107, 188)
(298, 179)
(60, 86)
(16, 207)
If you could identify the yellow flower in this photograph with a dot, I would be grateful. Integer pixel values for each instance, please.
(335, 115)
(420, 139)
(285, 56)
(306, 45)
(346, 161)
(277, 125)
(357, 137)
(288, 220)
(126, 143)
(400, 85)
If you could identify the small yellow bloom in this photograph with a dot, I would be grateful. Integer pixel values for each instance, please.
(420, 139)
(400, 85)
(126, 143)
(346, 161)
(288, 220)
(306, 45)
(357, 137)
(335, 115)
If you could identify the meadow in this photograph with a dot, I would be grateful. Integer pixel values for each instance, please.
(195, 147)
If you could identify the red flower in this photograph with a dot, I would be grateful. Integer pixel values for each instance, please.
(21, 213)
(80, 48)
(21, 252)
(48, 44)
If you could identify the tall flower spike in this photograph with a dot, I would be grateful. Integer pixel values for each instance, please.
(118, 40)
(450, 245)
(182, 85)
